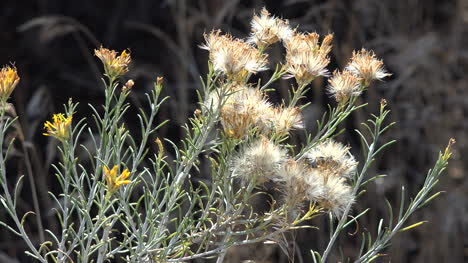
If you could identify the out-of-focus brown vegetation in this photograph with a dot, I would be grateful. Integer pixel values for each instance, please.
(422, 42)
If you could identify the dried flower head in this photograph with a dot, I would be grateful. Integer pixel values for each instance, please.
(114, 181)
(8, 80)
(332, 158)
(366, 66)
(267, 29)
(305, 58)
(234, 57)
(344, 85)
(243, 111)
(60, 128)
(282, 120)
(292, 178)
(330, 192)
(260, 159)
(114, 65)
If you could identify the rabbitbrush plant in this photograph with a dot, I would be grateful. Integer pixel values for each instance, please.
(131, 205)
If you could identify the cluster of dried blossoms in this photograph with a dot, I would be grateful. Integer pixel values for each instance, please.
(246, 110)
(306, 59)
(321, 177)
(246, 114)
(235, 57)
(267, 30)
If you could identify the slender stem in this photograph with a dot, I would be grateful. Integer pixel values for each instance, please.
(32, 183)
(344, 217)
(9, 203)
(370, 157)
(297, 95)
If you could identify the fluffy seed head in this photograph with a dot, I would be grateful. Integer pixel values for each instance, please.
(114, 65)
(332, 157)
(281, 120)
(291, 176)
(330, 192)
(260, 159)
(305, 58)
(267, 29)
(243, 111)
(8, 80)
(234, 57)
(344, 85)
(366, 66)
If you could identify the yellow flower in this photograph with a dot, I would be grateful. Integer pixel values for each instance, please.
(114, 66)
(8, 81)
(114, 181)
(59, 128)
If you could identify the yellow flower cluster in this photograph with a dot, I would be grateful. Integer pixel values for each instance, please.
(59, 128)
(113, 180)
(8, 80)
(114, 65)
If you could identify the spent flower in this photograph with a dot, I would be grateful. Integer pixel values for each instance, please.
(267, 29)
(234, 57)
(259, 160)
(291, 176)
(366, 66)
(242, 111)
(306, 59)
(330, 192)
(344, 85)
(281, 120)
(332, 157)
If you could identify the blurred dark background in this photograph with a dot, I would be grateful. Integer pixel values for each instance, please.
(422, 42)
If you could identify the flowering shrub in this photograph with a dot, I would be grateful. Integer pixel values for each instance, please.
(146, 209)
